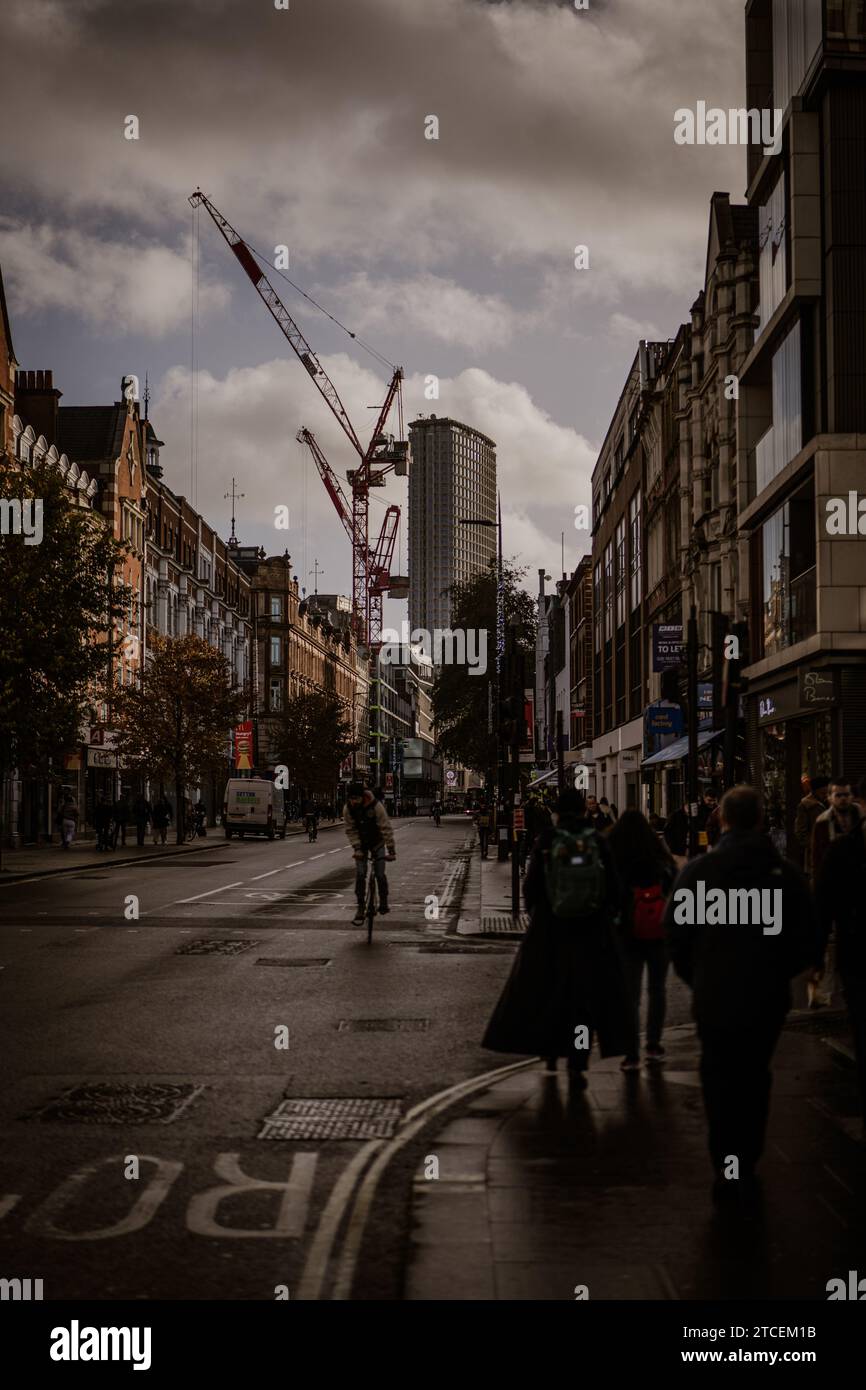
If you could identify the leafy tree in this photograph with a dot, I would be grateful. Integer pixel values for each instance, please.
(175, 724)
(464, 704)
(58, 600)
(313, 737)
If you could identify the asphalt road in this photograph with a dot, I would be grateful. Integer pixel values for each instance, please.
(225, 982)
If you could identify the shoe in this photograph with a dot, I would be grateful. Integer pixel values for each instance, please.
(550, 1063)
(383, 909)
(358, 919)
(655, 1054)
(630, 1064)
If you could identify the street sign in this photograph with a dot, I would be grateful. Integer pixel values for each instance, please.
(451, 777)
(244, 746)
(664, 719)
(667, 645)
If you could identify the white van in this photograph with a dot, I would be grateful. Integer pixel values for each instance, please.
(254, 806)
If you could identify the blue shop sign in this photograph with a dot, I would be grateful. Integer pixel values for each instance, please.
(664, 718)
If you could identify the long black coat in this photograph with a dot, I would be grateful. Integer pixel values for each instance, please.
(566, 973)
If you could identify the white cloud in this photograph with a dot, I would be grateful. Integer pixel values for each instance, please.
(429, 305)
(126, 287)
(247, 423)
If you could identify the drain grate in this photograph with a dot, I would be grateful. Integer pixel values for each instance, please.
(503, 924)
(383, 1025)
(211, 946)
(298, 960)
(362, 1118)
(110, 1103)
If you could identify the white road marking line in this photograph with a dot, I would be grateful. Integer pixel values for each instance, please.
(255, 878)
(316, 856)
(318, 1258)
(295, 865)
(209, 893)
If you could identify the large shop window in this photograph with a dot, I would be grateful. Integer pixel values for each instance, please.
(784, 439)
(773, 262)
(788, 574)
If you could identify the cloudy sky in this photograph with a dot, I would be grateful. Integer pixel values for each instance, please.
(453, 257)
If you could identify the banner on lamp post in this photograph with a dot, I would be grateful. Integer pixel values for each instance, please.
(244, 746)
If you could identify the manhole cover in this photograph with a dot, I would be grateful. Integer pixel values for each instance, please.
(363, 1118)
(109, 1103)
(204, 946)
(298, 961)
(383, 1025)
(503, 924)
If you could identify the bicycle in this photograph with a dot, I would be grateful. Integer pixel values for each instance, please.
(312, 832)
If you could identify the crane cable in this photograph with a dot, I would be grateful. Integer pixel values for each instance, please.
(322, 310)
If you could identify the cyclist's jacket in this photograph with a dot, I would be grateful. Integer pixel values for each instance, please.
(368, 826)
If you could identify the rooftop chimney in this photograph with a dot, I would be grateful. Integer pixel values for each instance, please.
(36, 401)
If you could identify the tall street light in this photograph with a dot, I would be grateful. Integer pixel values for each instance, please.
(500, 623)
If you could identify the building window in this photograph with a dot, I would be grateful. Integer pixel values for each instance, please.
(276, 695)
(784, 439)
(773, 256)
(608, 591)
(276, 651)
(620, 572)
(276, 607)
(635, 547)
(796, 36)
(787, 573)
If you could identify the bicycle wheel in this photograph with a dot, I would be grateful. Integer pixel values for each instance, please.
(371, 906)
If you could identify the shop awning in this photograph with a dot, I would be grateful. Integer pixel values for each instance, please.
(541, 781)
(679, 749)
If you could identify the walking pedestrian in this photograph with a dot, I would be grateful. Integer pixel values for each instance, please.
(840, 896)
(813, 805)
(162, 815)
(708, 821)
(142, 812)
(598, 817)
(676, 833)
(840, 817)
(647, 872)
(567, 984)
(68, 820)
(120, 814)
(102, 822)
(607, 810)
(739, 974)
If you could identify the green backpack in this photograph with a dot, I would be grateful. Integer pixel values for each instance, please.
(574, 874)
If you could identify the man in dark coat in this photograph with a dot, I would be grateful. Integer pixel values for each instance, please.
(813, 805)
(568, 974)
(740, 973)
(597, 816)
(841, 899)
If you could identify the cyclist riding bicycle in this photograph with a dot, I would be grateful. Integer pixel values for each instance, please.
(436, 812)
(311, 820)
(369, 830)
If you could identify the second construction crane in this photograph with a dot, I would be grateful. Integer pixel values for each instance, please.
(371, 567)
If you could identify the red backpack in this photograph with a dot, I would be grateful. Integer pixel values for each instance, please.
(648, 910)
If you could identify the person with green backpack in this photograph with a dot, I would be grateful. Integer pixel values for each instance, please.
(568, 984)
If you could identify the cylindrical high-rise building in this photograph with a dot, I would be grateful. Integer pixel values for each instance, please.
(452, 477)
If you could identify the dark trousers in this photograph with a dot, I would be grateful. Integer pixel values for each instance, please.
(736, 1081)
(855, 998)
(483, 837)
(140, 829)
(653, 955)
(381, 879)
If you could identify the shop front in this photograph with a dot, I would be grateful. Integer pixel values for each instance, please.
(794, 731)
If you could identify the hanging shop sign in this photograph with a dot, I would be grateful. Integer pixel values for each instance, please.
(667, 646)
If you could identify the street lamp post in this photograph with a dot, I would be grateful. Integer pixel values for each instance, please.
(500, 629)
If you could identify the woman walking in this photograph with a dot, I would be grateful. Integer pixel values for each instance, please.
(647, 871)
(568, 982)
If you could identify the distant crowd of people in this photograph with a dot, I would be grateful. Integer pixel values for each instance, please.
(603, 893)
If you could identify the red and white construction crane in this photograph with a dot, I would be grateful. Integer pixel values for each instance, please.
(371, 568)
